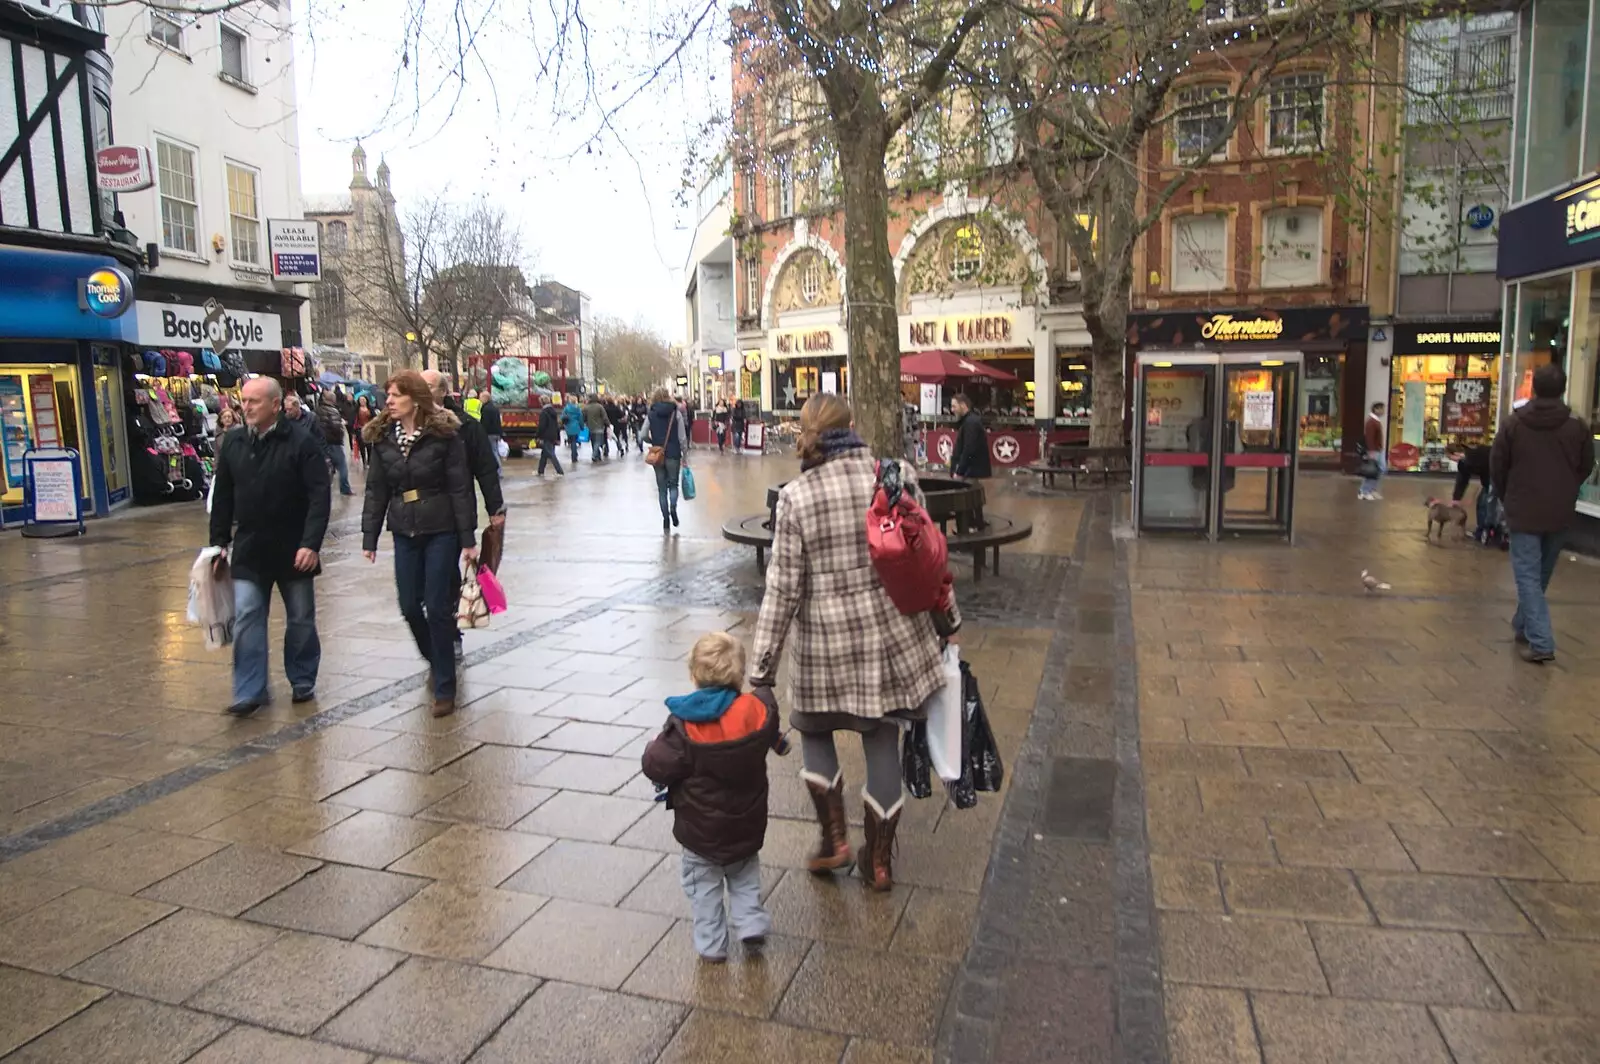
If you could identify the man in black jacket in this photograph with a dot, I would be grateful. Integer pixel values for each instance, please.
(480, 456)
(970, 457)
(550, 437)
(272, 482)
(489, 418)
(1541, 457)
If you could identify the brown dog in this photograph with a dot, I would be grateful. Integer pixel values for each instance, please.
(1442, 513)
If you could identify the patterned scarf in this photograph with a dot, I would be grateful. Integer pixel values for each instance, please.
(835, 442)
(406, 439)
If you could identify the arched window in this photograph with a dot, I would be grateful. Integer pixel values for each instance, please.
(329, 319)
(811, 280)
(338, 234)
(966, 257)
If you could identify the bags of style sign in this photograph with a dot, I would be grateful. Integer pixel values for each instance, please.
(908, 550)
(211, 598)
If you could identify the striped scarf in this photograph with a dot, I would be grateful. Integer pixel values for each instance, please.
(406, 439)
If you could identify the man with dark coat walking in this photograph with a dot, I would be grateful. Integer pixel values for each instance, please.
(550, 437)
(1541, 456)
(970, 457)
(480, 456)
(594, 418)
(489, 418)
(269, 513)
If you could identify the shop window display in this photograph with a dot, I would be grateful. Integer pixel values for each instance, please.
(1321, 424)
(38, 408)
(1583, 369)
(1421, 427)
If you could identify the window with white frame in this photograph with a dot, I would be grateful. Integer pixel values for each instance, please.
(811, 280)
(180, 202)
(166, 31)
(1200, 122)
(750, 193)
(1291, 247)
(1089, 223)
(783, 179)
(561, 337)
(1294, 112)
(922, 141)
(1199, 253)
(999, 132)
(1459, 68)
(1240, 10)
(244, 213)
(827, 173)
(783, 109)
(752, 287)
(235, 54)
(966, 252)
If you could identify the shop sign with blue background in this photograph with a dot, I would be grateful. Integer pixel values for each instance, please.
(63, 295)
(1558, 232)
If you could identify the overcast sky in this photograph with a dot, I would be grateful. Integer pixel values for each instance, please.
(600, 214)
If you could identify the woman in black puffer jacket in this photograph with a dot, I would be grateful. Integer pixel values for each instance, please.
(420, 482)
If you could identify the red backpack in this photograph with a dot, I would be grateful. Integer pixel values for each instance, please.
(908, 550)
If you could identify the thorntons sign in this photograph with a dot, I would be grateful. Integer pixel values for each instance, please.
(184, 325)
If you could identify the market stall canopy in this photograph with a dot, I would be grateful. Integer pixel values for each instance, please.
(330, 378)
(936, 367)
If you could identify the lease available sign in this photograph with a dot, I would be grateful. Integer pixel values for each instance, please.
(295, 248)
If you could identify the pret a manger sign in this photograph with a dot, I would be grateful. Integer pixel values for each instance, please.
(967, 330)
(1226, 327)
(820, 341)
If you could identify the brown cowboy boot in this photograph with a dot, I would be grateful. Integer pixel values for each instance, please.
(877, 855)
(834, 851)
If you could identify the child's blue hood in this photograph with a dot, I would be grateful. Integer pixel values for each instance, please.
(706, 704)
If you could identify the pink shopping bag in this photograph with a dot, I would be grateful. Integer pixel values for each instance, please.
(494, 596)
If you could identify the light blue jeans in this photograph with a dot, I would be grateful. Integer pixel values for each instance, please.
(668, 474)
(1369, 485)
(302, 651)
(1533, 560)
(702, 882)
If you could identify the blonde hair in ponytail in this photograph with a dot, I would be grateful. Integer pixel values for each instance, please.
(823, 412)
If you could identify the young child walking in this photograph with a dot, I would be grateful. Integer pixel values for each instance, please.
(712, 759)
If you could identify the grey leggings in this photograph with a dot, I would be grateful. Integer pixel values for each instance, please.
(882, 747)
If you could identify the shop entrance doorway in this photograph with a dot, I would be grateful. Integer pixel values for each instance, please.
(1216, 448)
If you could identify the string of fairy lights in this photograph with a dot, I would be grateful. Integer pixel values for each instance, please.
(778, 162)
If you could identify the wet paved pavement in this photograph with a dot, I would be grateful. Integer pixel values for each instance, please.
(1373, 834)
(352, 877)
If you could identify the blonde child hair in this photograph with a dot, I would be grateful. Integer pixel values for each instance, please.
(717, 660)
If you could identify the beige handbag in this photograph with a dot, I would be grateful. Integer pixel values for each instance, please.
(472, 612)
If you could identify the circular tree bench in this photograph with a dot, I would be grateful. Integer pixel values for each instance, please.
(948, 501)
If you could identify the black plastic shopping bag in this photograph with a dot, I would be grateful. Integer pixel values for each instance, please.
(915, 760)
(982, 753)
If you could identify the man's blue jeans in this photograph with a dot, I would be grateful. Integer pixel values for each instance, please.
(302, 651)
(341, 462)
(427, 582)
(1533, 560)
(1369, 485)
(667, 474)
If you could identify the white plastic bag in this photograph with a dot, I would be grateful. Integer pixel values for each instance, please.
(502, 448)
(944, 719)
(211, 599)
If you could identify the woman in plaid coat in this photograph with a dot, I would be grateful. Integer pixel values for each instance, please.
(856, 662)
